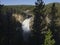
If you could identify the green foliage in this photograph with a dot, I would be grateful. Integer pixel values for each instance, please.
(54, 20)
(53, 16)
(1, 7)
(8, 27)
(48, 8)
(48, 38)
(17, 8)
(38, 10)
(38, 19)
(39, 7)
(38, 15)
(31, 7)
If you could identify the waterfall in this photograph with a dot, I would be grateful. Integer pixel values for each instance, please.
(26, 29)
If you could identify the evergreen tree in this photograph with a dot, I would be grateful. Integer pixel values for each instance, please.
(53, 21)
(1, 24)
(53, 16)
(48, 38)
(38, 23)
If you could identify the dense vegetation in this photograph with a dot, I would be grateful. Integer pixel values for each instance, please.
(30, 7)
(40, 35)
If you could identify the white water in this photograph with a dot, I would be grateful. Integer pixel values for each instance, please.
(26, 29)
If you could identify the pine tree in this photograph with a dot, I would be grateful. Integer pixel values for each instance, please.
(1, 6)
(1, 24)
(38, 22)
(53, 16)
(53, 21)
(48, 38)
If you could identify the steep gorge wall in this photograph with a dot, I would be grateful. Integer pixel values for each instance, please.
(18, 17)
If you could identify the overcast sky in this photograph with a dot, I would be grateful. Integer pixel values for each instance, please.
(24, 2)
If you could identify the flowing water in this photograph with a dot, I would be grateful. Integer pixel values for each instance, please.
(26, 29)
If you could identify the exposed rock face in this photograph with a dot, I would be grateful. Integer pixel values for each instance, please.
(18, 17)
(31, 22)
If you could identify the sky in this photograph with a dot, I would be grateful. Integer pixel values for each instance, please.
(24, 2)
